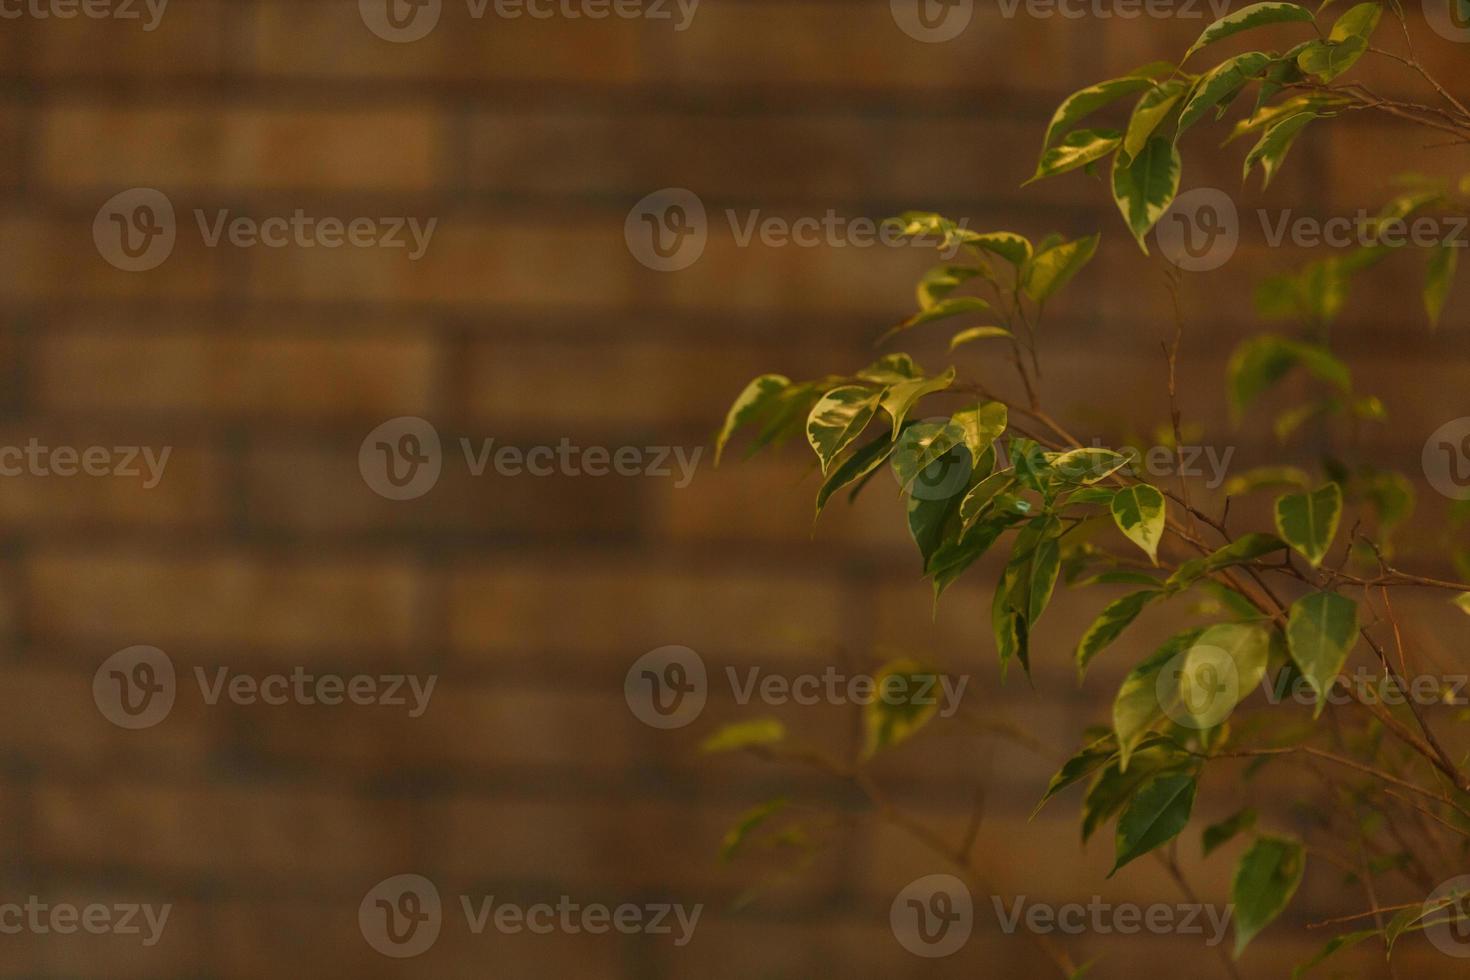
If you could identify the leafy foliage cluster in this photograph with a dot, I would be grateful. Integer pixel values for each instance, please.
(1273, 603)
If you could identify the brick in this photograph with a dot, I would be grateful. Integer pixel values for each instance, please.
(87, 146)
(297, 835)
(234, 601)
(821, 42)
(329, 39)
(186, 40)
(294, 377)
(522, 607)
(187, 492)
(320, 489)
(57, 257)
(468, 727)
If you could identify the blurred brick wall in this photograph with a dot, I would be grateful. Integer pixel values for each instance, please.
(262, 549)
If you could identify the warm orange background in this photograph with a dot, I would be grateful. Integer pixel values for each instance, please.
(528, 321)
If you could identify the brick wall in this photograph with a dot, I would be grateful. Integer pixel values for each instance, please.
(263, 550)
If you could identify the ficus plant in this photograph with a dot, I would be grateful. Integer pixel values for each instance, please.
(1283, 604)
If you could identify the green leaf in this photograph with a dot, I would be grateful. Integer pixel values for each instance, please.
(1145, 186)
(1025, 589)
(1155, 816)
(1218, 834)
(1218, 84)
(1087, 101)
(1345, 44)
(1439, 276)
(1136, 706)
(1274, 144)
(1011, 247)
(1327, 59)
(1334, 945)
(1213, 675)
(977, 333)
(861, 463)
(982, 494)
(1139, 513)
(1086, 465)
(744, 734)
(1151, 110)
(891, 369)
(757, 398)
(1245, 549)
(899, 398)
(942, 310)
(1110, 624)
(904, 701)
(1261, 361)
(1077, 149)
(1113, 787)
(1086, 762)
(748, 822)
(1320, 632)
(954, 555)
(1053, 268)
(1462, 601)
(942, 280)
(839, 418)
(1267, 478)
(1256, 15)
(983, 424)
(1308, 521)
(1266, 877)
(921, 445)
